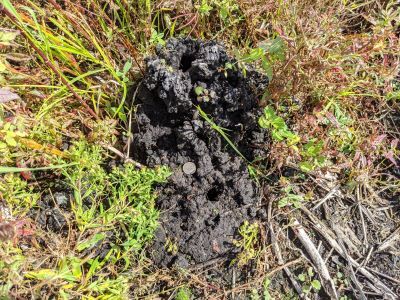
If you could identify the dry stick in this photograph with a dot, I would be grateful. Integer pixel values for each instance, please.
(331, 193)
(345, 236)
(278, 254)
(120, 154)
(49, 64)
(316, 258)
(352, 273)
(331, 239)
(383, 275)
(389, 240)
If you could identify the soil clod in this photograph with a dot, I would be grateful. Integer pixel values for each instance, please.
(209, 194)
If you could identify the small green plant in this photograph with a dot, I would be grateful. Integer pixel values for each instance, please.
(157, 37)
(266, 293)
(340, 280)
(267, 54)
(228, 10)
(290, 199)
(116, 209)
(254, 295)
(184, 293)
(203, 95)
(312, 153)
(309, 284)
(247, 244)
(18, 196)
(204, 8)
(10, 133)
(12, 261)
(171, 246)
(279, 129)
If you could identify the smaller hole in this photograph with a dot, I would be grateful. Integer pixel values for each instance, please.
(186, 63)
(213, 194)
(216, 220)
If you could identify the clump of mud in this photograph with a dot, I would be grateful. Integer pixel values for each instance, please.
(210, 193)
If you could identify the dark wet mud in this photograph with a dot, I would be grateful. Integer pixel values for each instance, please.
(210, 193)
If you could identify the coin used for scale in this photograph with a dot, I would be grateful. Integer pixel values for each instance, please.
(189, 168)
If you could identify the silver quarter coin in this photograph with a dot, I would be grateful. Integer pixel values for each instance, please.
(189, 168)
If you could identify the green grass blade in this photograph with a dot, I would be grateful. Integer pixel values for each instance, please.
(220, 130)
(4, 170)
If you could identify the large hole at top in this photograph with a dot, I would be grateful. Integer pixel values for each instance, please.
(186, 62)
(214, 194)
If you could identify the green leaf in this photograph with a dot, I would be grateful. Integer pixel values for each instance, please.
(283, 202)
(306, 166)
(306, 288)
(316, 284)
(43, 274)
(229, 66)
(265, 120)
(183, 294)
(8, 36)
(275, 48)
(267, 295)
(127, 66)
(76, 265)
(302, 277)
(267, 67)
(10, 141)
(254, 55)
(122, 116)
(278, 123)
(91, 242)
(223, 13)
(94, 266)
(277, 135)
(204, 8)
(3, 67)
(312, 148)
(198, 90)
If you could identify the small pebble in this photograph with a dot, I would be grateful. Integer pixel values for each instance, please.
(189, 168)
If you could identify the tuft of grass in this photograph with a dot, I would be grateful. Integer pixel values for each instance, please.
(110, 211)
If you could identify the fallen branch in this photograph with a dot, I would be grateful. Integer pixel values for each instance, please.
(316, 258)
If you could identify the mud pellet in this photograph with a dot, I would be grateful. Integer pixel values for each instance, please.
(189, 168)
